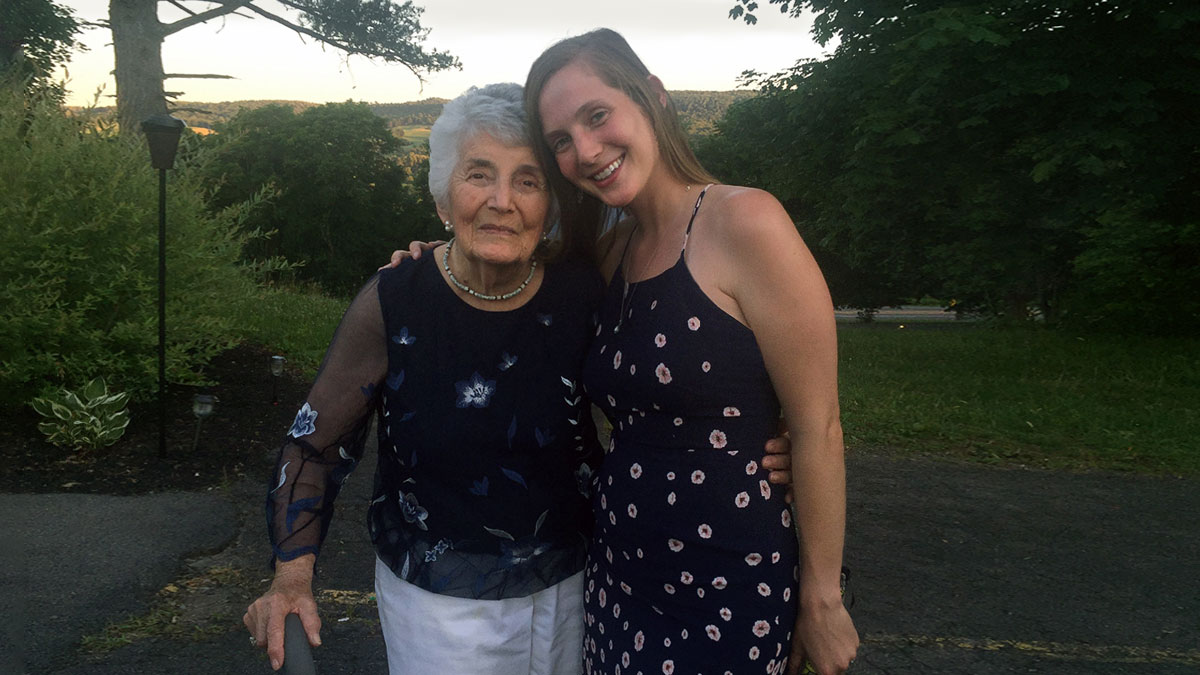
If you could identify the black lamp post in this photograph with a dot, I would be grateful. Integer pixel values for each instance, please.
(276, 372)
(162, 132)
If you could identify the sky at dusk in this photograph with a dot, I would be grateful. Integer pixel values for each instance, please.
(690, 44)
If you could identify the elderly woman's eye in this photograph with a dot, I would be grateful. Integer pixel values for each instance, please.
(599, 116)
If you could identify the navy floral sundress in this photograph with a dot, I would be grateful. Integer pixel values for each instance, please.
(693, 562)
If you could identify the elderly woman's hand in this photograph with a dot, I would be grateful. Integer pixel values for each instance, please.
(415, 249)
(290, 593)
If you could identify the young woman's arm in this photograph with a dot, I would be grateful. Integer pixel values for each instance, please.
(764, 267)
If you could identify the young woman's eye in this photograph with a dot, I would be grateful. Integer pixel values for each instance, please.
(559, 144)
(599, 116)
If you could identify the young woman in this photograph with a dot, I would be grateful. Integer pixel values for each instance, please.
(715, 320)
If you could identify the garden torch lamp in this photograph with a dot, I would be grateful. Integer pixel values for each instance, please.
(276, 372)
(162, 132)
(202, 407)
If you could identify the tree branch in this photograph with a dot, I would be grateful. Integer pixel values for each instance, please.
(207, 76)
(181, 7)
(338, 44)
(227, 7)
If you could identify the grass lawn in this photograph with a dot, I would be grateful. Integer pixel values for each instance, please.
(1023, 395)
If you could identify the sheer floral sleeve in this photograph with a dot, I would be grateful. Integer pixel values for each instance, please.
(325, 441)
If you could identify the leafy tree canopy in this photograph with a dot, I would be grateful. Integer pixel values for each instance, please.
(1006, 154)
(35, 36)
(339, 188)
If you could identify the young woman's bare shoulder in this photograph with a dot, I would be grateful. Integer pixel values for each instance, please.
(745, 211)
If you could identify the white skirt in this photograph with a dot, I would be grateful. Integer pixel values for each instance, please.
(541, 634)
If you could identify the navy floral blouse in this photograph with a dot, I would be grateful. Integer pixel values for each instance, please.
(486, 444)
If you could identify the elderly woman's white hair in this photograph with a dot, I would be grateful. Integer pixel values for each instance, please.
(495, 109)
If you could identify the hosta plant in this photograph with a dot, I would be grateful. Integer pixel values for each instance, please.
(91, 419)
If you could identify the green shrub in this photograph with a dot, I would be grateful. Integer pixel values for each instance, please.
(91, 419)
(78, 258)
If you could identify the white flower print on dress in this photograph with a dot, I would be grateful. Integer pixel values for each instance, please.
(731, 411)
(753, 559)
(305, 422)
(678, 421)
(751, 468)
(719, 583)
(712, 632)
(617, 360)
(660, 340)
(475, 392)
(635, 470)
(669, 588)
(761, 628)
(754, 652)
(632, 368)
(694, 323)
(717, 438)
(632, 510)
(706, 366)
(765, 488)
(725, 613)
(704, 530)
(785, 517)
(697, 477)
(668, 667)
(686, 577)
(763, 589)
(775, 557)
(675, 545)
(612, 402)
(653, 304)
(742, 500)
(671, 499)
(663, 373)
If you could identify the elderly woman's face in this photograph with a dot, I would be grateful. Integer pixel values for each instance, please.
(498, 201)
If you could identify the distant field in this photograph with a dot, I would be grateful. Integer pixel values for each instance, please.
(416, 134)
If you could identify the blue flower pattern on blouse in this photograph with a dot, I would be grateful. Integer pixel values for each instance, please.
(476, 392)
(412, 511)
(305, 422)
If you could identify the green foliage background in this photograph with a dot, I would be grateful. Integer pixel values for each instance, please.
(342, 191)
(78, 258)
(1007, 155)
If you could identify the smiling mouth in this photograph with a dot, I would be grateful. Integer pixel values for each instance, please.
(608, 170)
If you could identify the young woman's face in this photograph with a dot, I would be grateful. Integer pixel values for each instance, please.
(601, 140)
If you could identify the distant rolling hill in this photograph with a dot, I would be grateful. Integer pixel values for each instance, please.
(699, 110)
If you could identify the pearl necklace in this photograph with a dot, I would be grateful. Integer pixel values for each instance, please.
(470, 291)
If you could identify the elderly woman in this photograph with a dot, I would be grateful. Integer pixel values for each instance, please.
(471, 358)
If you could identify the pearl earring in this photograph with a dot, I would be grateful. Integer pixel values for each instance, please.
(449, 227)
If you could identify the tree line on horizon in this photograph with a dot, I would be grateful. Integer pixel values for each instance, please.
(699, 110)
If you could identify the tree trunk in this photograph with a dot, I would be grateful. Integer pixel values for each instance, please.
(137, 44)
